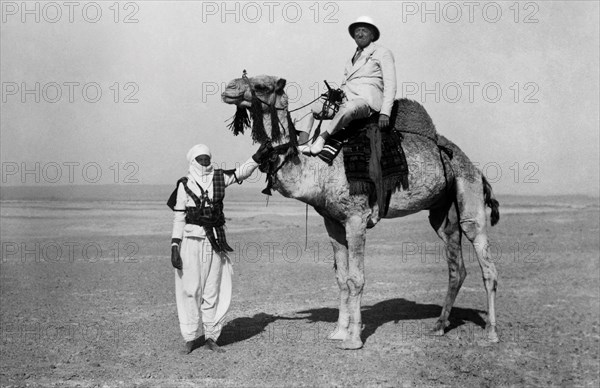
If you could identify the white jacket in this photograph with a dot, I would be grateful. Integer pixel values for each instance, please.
(372, 77)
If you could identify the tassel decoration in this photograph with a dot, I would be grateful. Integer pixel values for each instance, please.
(275, 132)
(239, 121)
(259, 135)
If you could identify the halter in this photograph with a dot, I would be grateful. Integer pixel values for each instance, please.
(254, 96)
(270, 166)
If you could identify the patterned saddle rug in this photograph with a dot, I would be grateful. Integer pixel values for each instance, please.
(370, 149)
(374, 160)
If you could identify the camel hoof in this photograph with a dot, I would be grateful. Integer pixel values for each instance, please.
(337, 335)
(439, 328)
(350, 344)
(493, 337)
(492, 334)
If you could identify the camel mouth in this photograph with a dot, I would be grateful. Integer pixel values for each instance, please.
(232, 98)
(229, 100)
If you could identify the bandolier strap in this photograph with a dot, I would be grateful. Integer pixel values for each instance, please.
(209, 213)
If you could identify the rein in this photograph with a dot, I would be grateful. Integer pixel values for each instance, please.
(305, 105)
(247, 81)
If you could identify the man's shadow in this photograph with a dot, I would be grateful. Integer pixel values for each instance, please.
(392, 310)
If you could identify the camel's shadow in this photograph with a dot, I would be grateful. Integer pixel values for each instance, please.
(392, 310)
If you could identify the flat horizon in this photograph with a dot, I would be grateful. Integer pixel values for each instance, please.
(39, 191)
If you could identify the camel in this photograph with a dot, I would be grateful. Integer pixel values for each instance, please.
(452, 189)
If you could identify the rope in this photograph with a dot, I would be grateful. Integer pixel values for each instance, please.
(304, 106)
(306, 229)
(303, 117)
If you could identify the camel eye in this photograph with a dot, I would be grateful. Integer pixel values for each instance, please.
(261, 88)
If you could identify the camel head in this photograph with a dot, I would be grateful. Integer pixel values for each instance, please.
(268, 88)
(261, 102)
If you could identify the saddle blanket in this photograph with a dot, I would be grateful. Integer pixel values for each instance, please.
(374, 161)
(364, 144)
(361, 148)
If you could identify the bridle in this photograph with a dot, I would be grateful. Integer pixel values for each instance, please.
(289, 149)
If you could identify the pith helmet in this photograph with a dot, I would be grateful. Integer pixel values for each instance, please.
(364, 21)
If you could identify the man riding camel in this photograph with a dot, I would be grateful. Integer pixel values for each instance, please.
(369, 84)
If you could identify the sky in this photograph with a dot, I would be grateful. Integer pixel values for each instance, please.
(117, 92)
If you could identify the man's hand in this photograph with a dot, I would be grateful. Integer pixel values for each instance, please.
(384, 121)
(176, 257)
(263, 152)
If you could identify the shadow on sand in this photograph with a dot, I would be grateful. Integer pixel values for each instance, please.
(392, 310)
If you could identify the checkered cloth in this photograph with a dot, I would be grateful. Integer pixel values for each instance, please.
(208, 213)
(358, 150)
(379, 175)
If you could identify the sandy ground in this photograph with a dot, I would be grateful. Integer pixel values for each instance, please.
(77, 317)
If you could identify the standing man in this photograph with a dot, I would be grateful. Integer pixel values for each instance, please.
(369, 83)
(199, 247)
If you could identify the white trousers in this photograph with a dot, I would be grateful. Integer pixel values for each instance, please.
(202, 289)
(350, 110)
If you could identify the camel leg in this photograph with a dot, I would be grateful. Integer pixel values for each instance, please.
(446, 224)
(473, 223)
(337, 235)
(356, 227)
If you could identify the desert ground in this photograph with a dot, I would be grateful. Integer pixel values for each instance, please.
(87, 299)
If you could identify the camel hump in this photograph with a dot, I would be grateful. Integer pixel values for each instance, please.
(409, 116)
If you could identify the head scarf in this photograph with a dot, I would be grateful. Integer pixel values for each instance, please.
(197, 150)
(201, 174)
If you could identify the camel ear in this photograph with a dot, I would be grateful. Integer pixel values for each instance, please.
(280, 85)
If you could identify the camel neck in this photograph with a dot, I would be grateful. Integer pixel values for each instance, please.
(306, 178)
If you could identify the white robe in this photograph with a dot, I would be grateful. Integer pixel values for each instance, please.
(203, 287)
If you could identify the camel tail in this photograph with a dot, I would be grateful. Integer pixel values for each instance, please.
(490, 201)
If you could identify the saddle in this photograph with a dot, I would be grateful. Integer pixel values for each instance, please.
(374, 161)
